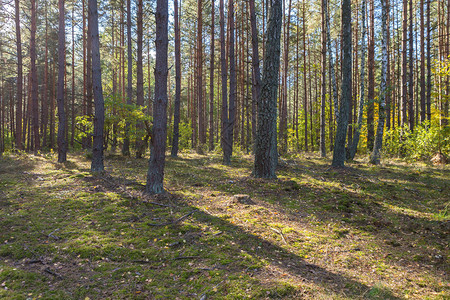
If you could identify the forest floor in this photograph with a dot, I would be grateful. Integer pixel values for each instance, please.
(364, 232)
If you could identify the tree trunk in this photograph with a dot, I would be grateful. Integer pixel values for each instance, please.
(62, 141)
(19, 145)
(404, 84)
(422, 62)
(284, 93)
(411, 69)
(323, 151)
(34, 82)
(211, 83)
(199, 70)
(371, 78)
(176, 116)
(99, 118)
(140, 144)
(223, 66)
(264, 166)
(355, 141)
(155, 174)
(305, 99)
(126, 140)
(428, 104)
(346, 92)
(375, 156)
(256, 74)
(233, 85)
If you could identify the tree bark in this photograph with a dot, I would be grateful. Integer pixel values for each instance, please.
(211, 83)
(411, 69)
(99, 118)
(176, 116)
(428, 103)
(375, 156)
(19, 118)
(346, 87)
(233, 85)
(62, 140)
(404, 84)
(223, 66)
(199, 70)
(256, 74)
(140, 144)
(323, 151)
(371, 77)
(34, 81)
(126, 140)
(155, 174)
(357, 134)
(264, 165)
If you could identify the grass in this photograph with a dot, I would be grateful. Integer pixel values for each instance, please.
(364, 232)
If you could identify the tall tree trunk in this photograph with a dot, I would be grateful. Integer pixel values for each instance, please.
(331, 69)
(89, 81)
(256, 74)
(126, 140)
(411, 69)
(223, 66)
(357, 134)
(99, 118)
(323, 151)
(233, 85)
(62, 141)
(140, 144)
(404, 84)
(199, 69)
(19, 144)
(34, 80)
(72, 136)
(176, 116)
(44, 114)
(211, 83)
(284, 90)
(422, 62)
(264, 166)
(371, 77)
(428, 103)
(346, 87)
(305, 99)
(155, 174)
(375, 156)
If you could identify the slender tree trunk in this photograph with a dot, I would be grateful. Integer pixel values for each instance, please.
(140, 144)
(199, 70)
(44, 122)
(305, 99)
(346, 92)
(357, 134)
(404, 94)
(211, 83)
(34, 80)
(19, 145)
(89, 81)
(99, 118)
(422, 62)
(62, 141)
(176, 117)
(72, 136)
(284, 91)
(371, 77)
(332, 70)
(223, 66)
(126, 140)
(428, 103)
(411, 69)
(375, 156)
(233, 85)
(256, 74)
(155, 174)
(323, 151)
(265, 154)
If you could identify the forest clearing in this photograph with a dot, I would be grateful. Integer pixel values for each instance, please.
(363, 232)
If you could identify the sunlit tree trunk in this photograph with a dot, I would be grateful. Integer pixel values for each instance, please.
(211, 83)
(371, 77)
(199, 71)
(357, 134)
(375, 156)
(126, 140)
(404, 82)
(323, 151)
(428, 103)
(233, 85)
(256, 75)
(155, 174)
(346, 92)
(265, 150)
(99, 118)
(411, 70)
(223, 66)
